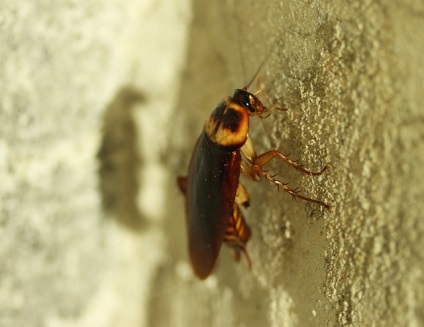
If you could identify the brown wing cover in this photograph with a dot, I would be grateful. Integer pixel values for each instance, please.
(210, 191)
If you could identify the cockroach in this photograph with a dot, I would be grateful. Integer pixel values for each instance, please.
(212, 189)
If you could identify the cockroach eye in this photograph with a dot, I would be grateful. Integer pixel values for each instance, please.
(243, 98)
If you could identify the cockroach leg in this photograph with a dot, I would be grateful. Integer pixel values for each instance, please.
(248, 150)
(261, 90)
(293, 192)
(237, 255)
(266, 157)
(250, 154)
(254, 170)
(182, 183)
(242, 197)
(247, 171)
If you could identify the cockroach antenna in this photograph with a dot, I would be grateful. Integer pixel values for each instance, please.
(256, 73)
(242, 61)
(269, 52)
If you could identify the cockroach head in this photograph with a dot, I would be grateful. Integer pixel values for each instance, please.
(249, 101)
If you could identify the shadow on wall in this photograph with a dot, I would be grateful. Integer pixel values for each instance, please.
(119, 161)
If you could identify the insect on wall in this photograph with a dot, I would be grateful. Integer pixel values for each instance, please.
(213, 192)
(216, 200)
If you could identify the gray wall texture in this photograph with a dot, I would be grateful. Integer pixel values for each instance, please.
(101, 104)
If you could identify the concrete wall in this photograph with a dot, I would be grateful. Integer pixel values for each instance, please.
(100, 107)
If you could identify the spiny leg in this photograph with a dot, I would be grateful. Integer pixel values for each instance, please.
(266, 157)
(254, 170)
(293, 192)
(250, 154)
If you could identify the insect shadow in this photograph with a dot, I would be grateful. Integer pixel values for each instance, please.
(119, 160)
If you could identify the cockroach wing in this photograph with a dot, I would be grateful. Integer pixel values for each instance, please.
(210, 193)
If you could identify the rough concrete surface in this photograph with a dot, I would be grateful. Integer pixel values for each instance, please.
(101, 104)
(351, 75)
